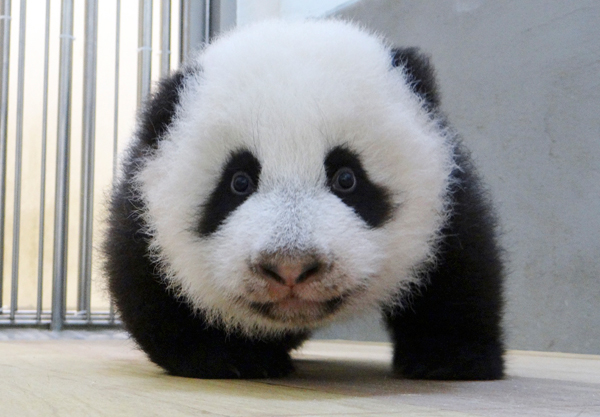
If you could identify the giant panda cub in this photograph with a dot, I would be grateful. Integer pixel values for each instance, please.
(293, 175)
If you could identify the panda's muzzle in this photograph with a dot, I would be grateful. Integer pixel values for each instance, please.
(287, 275)
(290, 273)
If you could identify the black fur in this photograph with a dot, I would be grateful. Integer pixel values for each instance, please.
(420, 75)
(451, 329)
(370, 201)
(160, 109)
(222, 200)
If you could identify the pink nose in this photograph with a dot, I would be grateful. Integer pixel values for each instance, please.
(289, 274)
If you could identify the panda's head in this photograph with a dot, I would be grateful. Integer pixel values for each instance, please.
(301, 178)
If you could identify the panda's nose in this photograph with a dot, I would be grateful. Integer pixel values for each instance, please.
(290, 273)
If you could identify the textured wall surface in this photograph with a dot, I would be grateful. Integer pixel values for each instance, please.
(520, 80)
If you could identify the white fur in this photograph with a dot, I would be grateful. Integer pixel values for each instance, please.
(290, 92)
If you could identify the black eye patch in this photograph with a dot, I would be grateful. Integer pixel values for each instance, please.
(372, 202)
(226, 196)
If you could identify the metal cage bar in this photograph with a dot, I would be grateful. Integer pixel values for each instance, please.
(5, 16)
(16, 232)
(195, 24)
(221, 17)
(62, 167)
(116, 90)
(87, 159)
(44, 146)
(115, 160)
(144, 50)
(165, 38)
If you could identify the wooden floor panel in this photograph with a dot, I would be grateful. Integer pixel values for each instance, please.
(113, 378)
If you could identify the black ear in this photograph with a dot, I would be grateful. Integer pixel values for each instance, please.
(421, 75)
(159, 109)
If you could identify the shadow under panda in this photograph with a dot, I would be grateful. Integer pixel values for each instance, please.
(295, 174)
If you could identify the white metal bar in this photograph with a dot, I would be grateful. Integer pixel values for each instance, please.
(62, 167)
(184, 34)
(165, 38)
(16, 232)
(5, 17)
(40, 277)
(116, 112)
(87, 157)
(202, 20)
(206, 19)
(221, 16)
(116, 92)
(195, 26)
(144, 50)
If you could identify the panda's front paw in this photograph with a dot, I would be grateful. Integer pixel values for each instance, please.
(453, 371)
(450, 364)
(259, 372)
(259, 367)
(229, 364)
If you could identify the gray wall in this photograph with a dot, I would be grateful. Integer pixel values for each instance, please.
(521, 81)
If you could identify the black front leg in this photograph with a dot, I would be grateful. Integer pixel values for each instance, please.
(449, 328)
(437, 338)
(191, 349)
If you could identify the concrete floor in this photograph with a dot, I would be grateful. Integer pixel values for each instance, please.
(110, 377)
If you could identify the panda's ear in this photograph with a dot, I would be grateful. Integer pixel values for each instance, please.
(419, 73)
(159, 109)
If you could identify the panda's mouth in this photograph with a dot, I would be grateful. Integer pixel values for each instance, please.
(297, 311)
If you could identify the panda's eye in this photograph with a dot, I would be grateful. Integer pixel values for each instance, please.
(241, 183)
(344, 180)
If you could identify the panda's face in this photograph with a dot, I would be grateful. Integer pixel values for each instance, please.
(306, 241)
(300, 180)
